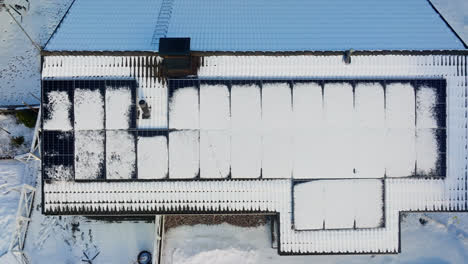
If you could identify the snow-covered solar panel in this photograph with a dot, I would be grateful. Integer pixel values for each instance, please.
(313, 129)
(184, 154)
(58, 106)
(292, 129)
(79, 122)
(152, 155)
(369, 130)
(184, 108)
(120, 155)
(338, 204)
(89, 155)
(245, 120)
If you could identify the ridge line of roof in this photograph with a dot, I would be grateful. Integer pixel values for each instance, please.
(58, 25)
(448, 24)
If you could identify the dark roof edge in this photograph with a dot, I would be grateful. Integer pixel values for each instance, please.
(260, 53)
(448, 24)
(59, 24)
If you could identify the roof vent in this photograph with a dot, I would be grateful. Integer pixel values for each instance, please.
(145, 109)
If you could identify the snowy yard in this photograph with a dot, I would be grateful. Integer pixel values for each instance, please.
(11, 176)
(19, 60)
(443, 239)
(10, 123)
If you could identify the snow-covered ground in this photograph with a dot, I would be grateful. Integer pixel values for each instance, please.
(19, 59)
(11, 176)
(54, 239)
(456, 13)
(442, 240)
(9, 122)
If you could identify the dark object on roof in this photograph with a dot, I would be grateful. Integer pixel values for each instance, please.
(176, 53)
(174, 46)
(144, 257)
(347, 56)
(145, 108)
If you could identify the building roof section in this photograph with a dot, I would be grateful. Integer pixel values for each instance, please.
(115, 25)
(297, 232)
(213, 25)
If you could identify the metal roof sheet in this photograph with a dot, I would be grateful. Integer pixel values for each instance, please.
(262, 25)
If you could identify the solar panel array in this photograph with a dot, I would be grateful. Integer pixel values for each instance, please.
(219, 129)
(79, 118)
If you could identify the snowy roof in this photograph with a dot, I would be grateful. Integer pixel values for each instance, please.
(264, 25)
(298, 227)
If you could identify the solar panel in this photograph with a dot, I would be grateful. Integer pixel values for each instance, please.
(222, 129)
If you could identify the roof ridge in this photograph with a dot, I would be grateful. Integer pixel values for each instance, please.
(59, 24)
(448, 24)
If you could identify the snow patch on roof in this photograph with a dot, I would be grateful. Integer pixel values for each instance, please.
(58, 107)
(120, 155)
(89, 155)
(118, 108)
(89, 109)
(60, 172)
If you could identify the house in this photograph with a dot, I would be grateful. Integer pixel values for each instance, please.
(334, 116)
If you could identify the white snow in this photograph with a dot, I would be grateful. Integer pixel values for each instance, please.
(425, 107)
(337, 139)
(54, 239)
(11, 175)
(59, 110)
(426, 152)
(337, 204)
(400, 106)
(400, 137)
(332, 134)
(120, 155)
(454, 11)
(184, 154)
(152, 157)
(369, 131)
(184, 109)
(400, 152)
(227, 244)
(338, 105)
(246, 144)
(118, 106)
(307, 135)
(214, 107)
(308, 106)
(403, 194)
(215, 154)
(19, 60)
(89, 109)
(215, 138)
(10, 123)
(60, 172)
(89, 154)
(277, 120)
